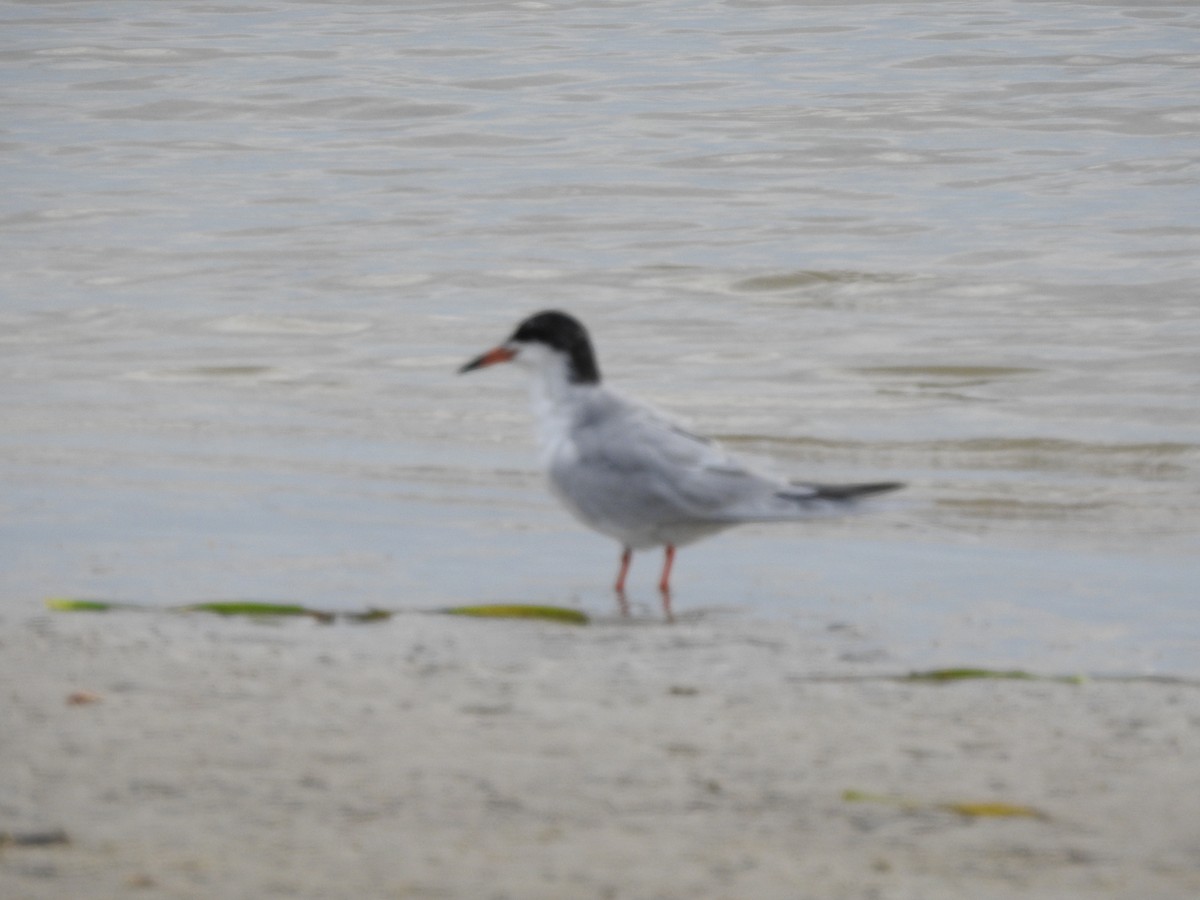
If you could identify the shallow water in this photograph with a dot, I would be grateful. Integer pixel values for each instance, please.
(956, 244)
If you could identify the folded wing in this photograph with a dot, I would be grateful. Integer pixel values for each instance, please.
(635, 462)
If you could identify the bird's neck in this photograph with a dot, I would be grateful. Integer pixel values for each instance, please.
(556, 404)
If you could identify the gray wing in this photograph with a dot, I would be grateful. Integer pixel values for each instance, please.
(635, 459)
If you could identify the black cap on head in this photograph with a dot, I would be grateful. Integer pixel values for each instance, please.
(566, 334)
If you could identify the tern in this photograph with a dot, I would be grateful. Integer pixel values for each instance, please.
(630, 472)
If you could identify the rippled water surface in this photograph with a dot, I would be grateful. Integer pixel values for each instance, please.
(246, 245)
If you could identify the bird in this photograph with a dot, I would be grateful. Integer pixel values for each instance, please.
(633, 473)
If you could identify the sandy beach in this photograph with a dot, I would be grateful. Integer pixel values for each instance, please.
(428, 756)
(248, 247)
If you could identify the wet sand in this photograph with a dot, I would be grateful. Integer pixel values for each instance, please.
(191, 756)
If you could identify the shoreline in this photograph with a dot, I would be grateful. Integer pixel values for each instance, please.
(444, 757)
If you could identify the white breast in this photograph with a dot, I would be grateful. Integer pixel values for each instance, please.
(554, 412)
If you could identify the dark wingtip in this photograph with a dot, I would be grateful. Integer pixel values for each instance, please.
(853, 491)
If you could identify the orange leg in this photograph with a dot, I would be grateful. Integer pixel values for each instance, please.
(664, 583)
(626, 556)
